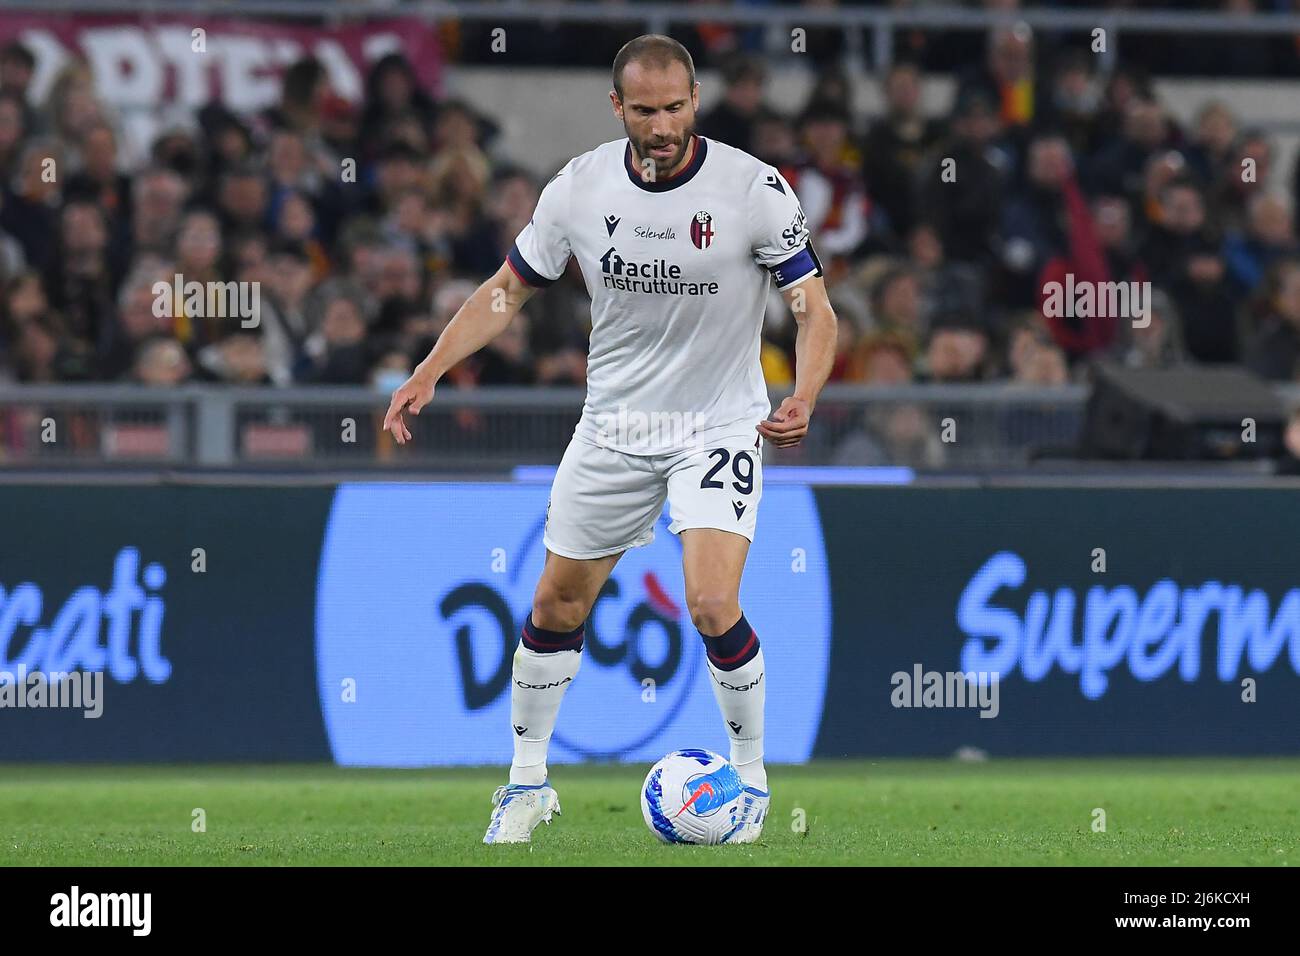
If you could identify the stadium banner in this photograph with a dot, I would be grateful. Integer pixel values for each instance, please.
(149, 62)
(374, 624)
(182, 615)
(422, 595)
(1117, 621)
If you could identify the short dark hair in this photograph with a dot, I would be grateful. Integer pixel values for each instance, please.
(656, 50)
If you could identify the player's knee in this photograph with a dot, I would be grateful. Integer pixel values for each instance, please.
(713, 611)
(556, 610)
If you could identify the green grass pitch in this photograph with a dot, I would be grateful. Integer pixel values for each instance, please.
(889, 812)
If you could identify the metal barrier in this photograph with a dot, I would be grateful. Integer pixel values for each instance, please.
(989, 427)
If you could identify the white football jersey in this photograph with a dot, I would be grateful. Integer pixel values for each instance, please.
(678, 272)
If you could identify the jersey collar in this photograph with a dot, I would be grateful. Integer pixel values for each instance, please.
(680, 178)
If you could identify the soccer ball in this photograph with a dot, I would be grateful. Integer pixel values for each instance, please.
(692, 796)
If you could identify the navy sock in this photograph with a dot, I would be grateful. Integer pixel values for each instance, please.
(733, 649)
(542, 641)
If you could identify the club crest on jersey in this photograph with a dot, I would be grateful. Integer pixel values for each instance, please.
(702, 230)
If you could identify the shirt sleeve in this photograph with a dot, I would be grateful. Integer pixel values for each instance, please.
(542, 250)
(781, 241)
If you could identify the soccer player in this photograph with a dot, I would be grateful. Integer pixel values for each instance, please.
(678, 238)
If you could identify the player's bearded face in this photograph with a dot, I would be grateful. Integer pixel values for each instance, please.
(666, 148)
(658, 113)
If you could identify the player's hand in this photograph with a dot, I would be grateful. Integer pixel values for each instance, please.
(788, 424)
(411, 396)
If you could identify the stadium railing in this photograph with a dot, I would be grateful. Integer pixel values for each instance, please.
(929, 427)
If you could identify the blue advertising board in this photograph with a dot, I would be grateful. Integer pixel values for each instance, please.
(423, 590)
(374, 624)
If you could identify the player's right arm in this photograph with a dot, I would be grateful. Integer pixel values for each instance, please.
(538, 258)
(482, 318)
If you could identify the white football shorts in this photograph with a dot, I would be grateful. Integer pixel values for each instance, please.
(605, 501)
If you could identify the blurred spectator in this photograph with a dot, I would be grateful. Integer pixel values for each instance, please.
(896, 304)
(1073, 104)
(177, 148)
(487, 237)
(228, 142)
(1183, 252)
(238, 359)
(829, 183)
(1269, 236)
(890, 432)
(30, 208)
(161, 361)
(199, 259)
(1158, 343)
(1119, 169)
(958, 351)
(1094, 250)
(1210, 152)
(17, 67)
(506, 359)
(733, 120)
(137, 322)
(1043, 366)
(98, 180)
(1124, 87)
(393, 95)
(1007, 77)
(72, 105)
(962, 183)
(1273, 349)
(897, 144)
(1035, 219)
(82, 284)
(775, 141)
(158, 199)
(337, 350)
(1246, 175)
(243, 198)
(289, 319)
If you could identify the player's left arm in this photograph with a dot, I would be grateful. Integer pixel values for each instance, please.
(814, 355)
(781, 243)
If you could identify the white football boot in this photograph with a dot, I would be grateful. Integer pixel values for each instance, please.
(518, 810)
(749, 819)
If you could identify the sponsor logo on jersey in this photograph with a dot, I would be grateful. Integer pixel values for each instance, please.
(702, 230)
(796, 232)
(655, 277)
(611, 223)
(648, 232)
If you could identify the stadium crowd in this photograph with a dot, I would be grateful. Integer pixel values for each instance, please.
(1052, 171)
